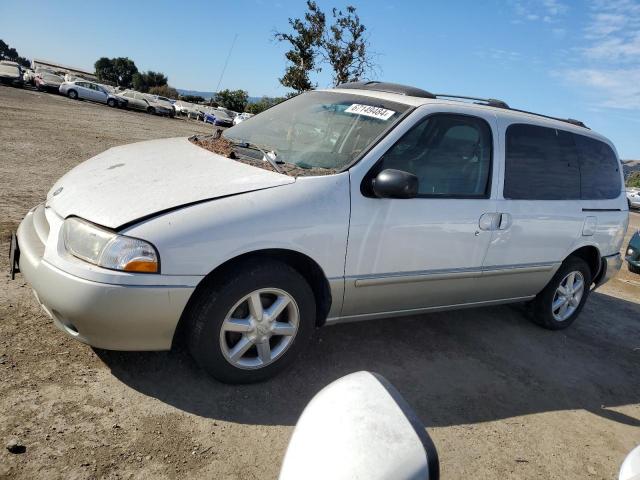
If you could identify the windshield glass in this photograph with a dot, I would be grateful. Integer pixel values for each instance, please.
(51, 77)
(9, 70)
(319, 129)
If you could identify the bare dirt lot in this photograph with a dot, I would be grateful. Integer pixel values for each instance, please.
(501, 397)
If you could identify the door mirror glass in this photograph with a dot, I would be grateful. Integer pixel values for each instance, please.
(360, 427)
(391, 183)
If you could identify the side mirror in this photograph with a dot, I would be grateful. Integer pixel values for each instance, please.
(360, 427)
(392, 183)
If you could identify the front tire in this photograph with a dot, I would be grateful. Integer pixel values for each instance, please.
(559, 304)
(633, 268)
(151, 111)
(72, 94)
(112, 103)
(249, 324)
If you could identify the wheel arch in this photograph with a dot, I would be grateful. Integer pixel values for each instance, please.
(591, 255)
(301, 262)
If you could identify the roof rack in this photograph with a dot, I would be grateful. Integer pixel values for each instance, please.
(388, 87)
(409, 91)
(491, 102)
(572, 121)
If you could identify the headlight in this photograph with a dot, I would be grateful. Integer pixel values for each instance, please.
(108, 249)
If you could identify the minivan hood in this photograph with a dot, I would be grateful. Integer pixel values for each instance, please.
(129, 182)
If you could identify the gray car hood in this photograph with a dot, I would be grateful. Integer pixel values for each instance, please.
(126, 183)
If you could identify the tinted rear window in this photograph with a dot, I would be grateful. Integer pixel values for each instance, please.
(549, 164)
(541, 164)
(599, 169)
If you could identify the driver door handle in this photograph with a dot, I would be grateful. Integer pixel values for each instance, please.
(494, 221)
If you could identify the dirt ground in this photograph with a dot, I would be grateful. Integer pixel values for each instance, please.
(501, 397)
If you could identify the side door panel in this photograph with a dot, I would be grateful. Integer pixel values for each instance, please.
(536, 234)
(412, 254)
(83, 91)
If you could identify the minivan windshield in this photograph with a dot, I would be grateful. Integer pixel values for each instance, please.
(319, 129)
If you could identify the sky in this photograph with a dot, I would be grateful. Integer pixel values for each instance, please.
(557, 57)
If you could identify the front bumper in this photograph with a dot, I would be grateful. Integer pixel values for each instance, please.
(611, 265)
(113, 317)
(15, 81)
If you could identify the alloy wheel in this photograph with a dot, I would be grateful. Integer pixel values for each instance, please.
(259, 328)
(567, 296)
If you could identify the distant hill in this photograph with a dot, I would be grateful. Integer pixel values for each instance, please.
(629, 166)
(208, 95)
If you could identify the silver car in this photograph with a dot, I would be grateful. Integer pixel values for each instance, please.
(633, 197)
(165, 102)
(145, 103)
(85, 90)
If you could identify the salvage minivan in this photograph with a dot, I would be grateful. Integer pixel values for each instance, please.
(366, 201)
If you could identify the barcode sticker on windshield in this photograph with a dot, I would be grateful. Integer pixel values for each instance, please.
(369, 111)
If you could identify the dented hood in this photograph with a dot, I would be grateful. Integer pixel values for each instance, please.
(126, 183)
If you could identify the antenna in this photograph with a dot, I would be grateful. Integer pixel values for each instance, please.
(226, 62)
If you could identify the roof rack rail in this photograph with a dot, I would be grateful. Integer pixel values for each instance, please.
(572, 121)
(388, 87)
(492, 102)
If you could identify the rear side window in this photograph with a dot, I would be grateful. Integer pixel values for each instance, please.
(541, 164)
(599, 169)
(549, 164)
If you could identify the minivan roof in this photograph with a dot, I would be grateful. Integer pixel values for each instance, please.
(416, 97)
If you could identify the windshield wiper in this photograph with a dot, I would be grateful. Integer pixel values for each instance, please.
(271, 157)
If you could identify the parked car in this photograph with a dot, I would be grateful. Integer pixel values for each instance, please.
(85, 90)
(633, 197)
(145, 103)
(633, 253)
(181, 107)
(244, 261)
(242, 117)
(218, 118)
(48, 81)
(11, 73)
(165, 102)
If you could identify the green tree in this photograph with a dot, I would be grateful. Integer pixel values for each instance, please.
(117, 71)
(164, 91)
(142, 82)
(633, 180)
(235, 100)
(343, 46)
(262, 104)
(8, 53)
(305, 42)
(346, 47)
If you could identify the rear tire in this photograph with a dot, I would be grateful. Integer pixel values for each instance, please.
(561, 301)
(72, 94)
(151, 111)
(269, 339)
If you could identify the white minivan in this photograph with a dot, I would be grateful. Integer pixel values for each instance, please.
(366, 201)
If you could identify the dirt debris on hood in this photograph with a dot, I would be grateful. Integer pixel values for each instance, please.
(224, 147)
